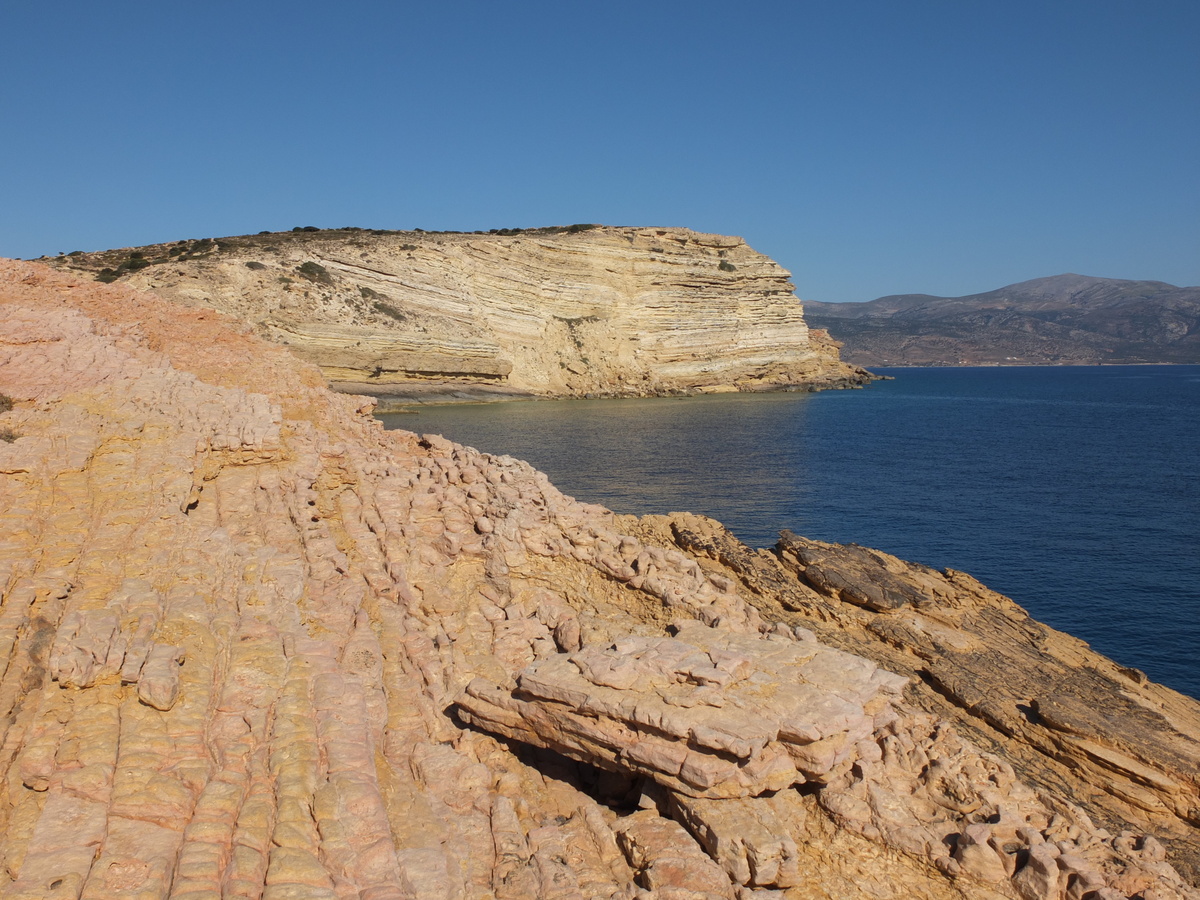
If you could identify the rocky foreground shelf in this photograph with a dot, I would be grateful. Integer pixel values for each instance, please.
(255, 646)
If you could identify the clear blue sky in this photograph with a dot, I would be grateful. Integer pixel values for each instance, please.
(945, 147)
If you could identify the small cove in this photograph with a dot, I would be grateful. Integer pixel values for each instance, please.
(1074, 490)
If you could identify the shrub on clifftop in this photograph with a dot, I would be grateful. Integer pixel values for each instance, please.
(315, 272)
(7, 434)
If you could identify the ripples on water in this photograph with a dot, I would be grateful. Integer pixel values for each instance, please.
(1072, 490)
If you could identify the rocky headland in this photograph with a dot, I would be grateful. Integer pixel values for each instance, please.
(1063, 320)
(550, 312)
(253, 645)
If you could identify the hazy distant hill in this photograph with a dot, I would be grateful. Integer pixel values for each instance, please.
(1064, 319)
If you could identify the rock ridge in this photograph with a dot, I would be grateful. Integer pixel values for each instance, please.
(621, 312)
(254, 646)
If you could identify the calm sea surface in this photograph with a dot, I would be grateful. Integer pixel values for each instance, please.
(1074, 490)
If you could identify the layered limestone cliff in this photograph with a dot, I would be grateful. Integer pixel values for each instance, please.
(549, 312)
(254, 646)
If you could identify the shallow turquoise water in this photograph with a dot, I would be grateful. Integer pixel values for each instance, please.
(1073, 490)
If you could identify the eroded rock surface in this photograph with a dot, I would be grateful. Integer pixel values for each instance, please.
(252, 645)
(606, 311)
(1070, 721)
(706, 713)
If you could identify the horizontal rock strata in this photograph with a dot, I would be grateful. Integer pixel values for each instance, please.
(708, 714)
(254, 646)
(606, 311)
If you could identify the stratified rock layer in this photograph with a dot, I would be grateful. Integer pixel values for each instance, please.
(709, 714)
(254, 646)
(608, 311)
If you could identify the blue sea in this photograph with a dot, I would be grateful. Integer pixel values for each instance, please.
(1073, 490)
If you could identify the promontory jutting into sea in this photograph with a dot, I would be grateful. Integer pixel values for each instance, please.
(257, 645)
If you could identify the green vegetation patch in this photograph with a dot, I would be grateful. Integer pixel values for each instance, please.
(7, 434)
(390, 311)
(204, 245)
(315, 272)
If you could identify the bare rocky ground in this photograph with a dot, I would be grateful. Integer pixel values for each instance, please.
(255, 646)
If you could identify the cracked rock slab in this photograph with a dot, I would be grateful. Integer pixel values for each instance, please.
(706, 712)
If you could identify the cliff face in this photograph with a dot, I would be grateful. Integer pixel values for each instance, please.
(1066, 319)
(607, 311)
(252, 645)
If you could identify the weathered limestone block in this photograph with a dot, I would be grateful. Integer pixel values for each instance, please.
(706, 713)
(750, 839)
(158, 684)
(138, 862)
(62, 848)
(38, 756)
(81, 652)
(138, 649)
(977, 854)
(1038, 879)
(667, 860)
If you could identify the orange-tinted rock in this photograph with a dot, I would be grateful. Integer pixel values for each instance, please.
(236, 614)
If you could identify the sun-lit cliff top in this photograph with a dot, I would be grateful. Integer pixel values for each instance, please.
(544, 312)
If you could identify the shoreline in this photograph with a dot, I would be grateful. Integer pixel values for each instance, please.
(395, 399)
(1081, 364)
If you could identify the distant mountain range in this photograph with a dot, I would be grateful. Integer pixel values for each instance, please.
(1066, 319)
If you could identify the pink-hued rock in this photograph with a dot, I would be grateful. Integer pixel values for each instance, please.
(668, 862)
(254, 646)
(158, 679)
(706, 713)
